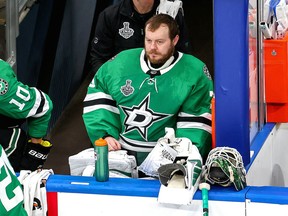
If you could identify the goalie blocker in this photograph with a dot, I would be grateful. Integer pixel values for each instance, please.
(35, 155)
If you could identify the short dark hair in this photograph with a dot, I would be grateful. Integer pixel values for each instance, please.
(159, 19)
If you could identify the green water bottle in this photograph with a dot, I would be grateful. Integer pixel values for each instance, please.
(101, 160)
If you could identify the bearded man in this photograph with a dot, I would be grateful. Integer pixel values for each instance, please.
(137, 94)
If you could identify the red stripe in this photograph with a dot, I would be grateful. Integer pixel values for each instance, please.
(52, 203)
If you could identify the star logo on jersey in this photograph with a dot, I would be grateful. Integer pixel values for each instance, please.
(126, 32)
(3, 86)
(141, 117)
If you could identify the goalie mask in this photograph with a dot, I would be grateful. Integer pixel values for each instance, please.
(224, 166)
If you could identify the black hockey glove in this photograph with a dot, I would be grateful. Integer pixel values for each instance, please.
(35, 155)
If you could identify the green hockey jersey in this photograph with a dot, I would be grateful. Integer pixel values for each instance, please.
(20, 102)
(134, 103)
(11, 194)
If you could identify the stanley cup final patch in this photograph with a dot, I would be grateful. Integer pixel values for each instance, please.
(3, 86)
(126, 32)
(127, 89)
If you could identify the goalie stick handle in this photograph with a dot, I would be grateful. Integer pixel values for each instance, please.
(204, 187)
(205, 201)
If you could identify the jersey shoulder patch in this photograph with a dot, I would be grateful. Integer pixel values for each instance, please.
(3, 86)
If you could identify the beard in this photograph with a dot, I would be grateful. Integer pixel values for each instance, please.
(164, 57)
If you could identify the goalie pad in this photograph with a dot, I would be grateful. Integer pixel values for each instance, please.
(189, 166)
(35, 155)
(167, 150)
(180, 179)
(120, 164)
(161, 154)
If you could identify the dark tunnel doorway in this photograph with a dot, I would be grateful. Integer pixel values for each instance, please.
(199, 19)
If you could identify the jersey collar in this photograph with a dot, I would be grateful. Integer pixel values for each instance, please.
(169, 64)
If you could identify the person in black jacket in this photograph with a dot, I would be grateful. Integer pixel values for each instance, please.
(121, 26)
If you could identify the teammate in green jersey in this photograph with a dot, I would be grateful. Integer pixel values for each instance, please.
(20, 103)
(11, 194)
(139, 92)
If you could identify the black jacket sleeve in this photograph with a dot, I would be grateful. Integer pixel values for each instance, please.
(102, 43)
(183, 44)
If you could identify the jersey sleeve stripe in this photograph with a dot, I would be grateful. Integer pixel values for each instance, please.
(196, 119)
(96, 107)
(202, 122)
(97, 95)
(42, 102)
(195, 125)
(101, 101)
(13, 141)
(205, 115)
(41, 105)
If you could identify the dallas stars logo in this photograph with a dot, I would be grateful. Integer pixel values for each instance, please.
(141, 117)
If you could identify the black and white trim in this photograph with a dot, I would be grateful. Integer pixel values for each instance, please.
(13, 141)
(202, 122)
(41, 105)
(99, 100)
(136, 145)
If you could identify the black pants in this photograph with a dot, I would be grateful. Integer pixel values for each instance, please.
(13, 141)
